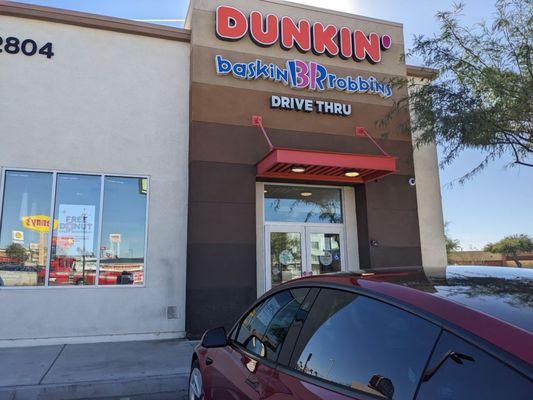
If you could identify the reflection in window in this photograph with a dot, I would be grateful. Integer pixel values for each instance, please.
(285, 256)
(74, 242)
(325, 253)
(364, 344)
(303, 204)
(279, 326)
(269, 322)
(256, 322)
(71, 255)
(123, 227)
(25, 228)
(483, 377)
(255, 346)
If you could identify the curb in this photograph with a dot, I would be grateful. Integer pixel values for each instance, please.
(176, 383)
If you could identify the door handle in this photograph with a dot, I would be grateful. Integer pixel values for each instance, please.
(252, 384)
(208, 361)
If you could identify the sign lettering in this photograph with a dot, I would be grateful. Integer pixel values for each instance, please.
(232, 24)
(37, 223)
(28, 47)
(302, 75)
(308, 105)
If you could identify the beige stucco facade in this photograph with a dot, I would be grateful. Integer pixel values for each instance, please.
(106, 102)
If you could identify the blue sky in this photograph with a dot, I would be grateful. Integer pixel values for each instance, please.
(495, 203)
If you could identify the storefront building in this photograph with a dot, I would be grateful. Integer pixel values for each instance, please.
(155, 180)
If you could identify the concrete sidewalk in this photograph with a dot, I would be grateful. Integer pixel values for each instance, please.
(122, 370)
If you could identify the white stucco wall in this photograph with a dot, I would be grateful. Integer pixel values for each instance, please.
(429, 200)
(106, 102)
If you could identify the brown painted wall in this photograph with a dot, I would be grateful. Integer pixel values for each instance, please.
(224, 149)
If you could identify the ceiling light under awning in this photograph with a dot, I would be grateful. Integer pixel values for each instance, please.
(351, 174)
(298, 169)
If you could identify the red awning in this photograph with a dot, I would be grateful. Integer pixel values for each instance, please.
(282, 163)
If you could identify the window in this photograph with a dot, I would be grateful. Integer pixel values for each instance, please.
(285, 256)
(98, 229)
(123, 228)
(25, 224)
(269, 323)
(74, 239)
(325, 252)
(479, 376)
(303, 204)
(364, 344)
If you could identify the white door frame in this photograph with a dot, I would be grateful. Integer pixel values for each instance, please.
(351, 253)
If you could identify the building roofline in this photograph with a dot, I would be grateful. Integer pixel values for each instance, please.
(421, 72)
(334, 12)
(322, 10)
(95, 21)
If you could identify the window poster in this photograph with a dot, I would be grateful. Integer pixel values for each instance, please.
(75, 231)
(268, 311)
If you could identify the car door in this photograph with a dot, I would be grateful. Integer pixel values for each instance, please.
(352, 346)
(231, 375)
(226, 376)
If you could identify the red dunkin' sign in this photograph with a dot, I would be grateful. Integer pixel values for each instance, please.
(232, 24)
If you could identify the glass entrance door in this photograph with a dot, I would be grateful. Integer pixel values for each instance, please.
(324, 249)
(285, 254)
(293, 251)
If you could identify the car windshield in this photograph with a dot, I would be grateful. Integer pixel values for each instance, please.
(504, 293)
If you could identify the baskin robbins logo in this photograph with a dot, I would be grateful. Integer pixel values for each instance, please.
(302, 75)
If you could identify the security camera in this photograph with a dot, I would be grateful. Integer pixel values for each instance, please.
(412, 181)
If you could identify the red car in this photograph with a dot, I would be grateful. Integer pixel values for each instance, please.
(381, 335)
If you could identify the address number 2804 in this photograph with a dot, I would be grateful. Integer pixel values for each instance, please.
(28, 47)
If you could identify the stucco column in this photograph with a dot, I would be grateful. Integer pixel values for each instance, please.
(429, 199)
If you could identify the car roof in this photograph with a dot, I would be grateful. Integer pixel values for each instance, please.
(496, 309)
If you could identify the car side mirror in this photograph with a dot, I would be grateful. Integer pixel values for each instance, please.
(215, 338)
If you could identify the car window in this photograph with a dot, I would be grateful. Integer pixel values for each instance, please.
(364, 344)
(269, 322)
(458, 370)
